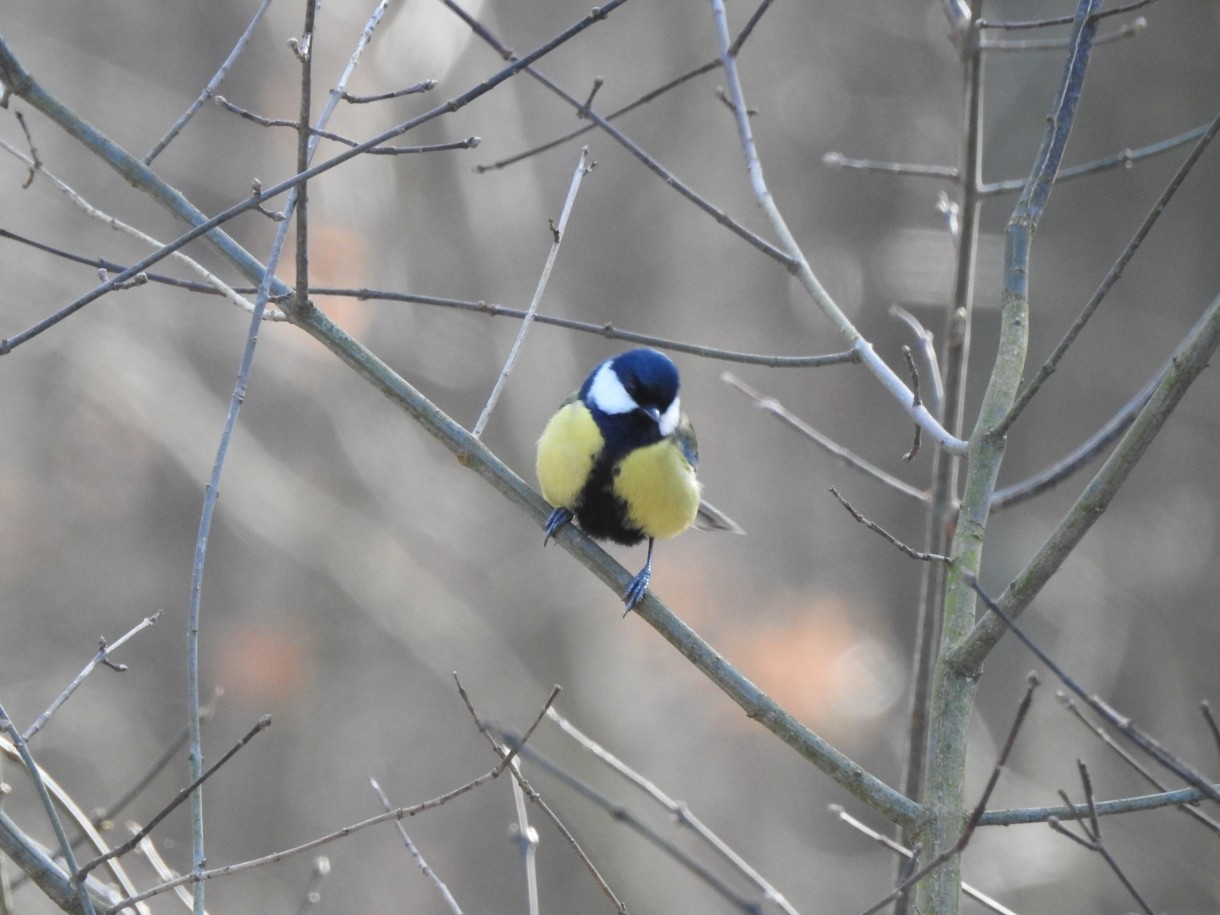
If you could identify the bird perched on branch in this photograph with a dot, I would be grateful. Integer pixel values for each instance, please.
(620, 456)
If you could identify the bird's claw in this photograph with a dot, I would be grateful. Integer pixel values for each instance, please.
(559, 517)
(636, 590)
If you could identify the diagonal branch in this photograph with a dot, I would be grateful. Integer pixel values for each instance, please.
(20, 83)
(1188, 362)
(799, 265)
(473, 455)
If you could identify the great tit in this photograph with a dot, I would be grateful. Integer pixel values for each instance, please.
(620, 456)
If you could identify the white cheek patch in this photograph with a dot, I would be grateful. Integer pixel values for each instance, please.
(608, 394)
(670, 418)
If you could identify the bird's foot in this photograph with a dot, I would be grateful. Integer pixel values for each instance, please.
(637, 589)
(559, 517)
(639, 585)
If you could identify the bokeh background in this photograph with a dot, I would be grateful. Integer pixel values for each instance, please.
(354, 565)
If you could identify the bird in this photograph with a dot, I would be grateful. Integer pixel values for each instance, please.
(619, 457)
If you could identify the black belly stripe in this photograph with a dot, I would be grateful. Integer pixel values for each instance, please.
(602, 514)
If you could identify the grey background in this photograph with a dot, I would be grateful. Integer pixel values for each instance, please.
(354, 564)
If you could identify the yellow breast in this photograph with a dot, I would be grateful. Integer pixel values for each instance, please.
(660, 489)
(569, 444)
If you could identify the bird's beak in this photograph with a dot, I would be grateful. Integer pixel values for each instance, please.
(653, 413)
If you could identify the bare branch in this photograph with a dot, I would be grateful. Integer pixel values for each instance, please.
(416, 856)
(980, 808)
(885, 841)
(213, 84)
(102, 657)
(877, 529)
(1119, 722)
(507, 760)
(1112, 275)
(846, 456)
(1092, 837)
(582, 168)
(916, 399)
(1131, 761)
(836, 160)
(426, 86)
(262, 724)
(35, 773)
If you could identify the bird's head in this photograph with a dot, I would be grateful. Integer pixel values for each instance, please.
(640, 382)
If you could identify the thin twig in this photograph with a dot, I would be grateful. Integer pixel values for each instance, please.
(48, 806)
(927, 349)
(13, 74)
(1061, 20)
(848, 457)
(680, 812)
(979, 809)
(668, 177)
(35, 162)
(1025, 815)
(621, 815)
(1092, 836)
(213, 84)
(1206, 708)
(165, 873)
(1119, 722)
(117, 852)
(877, 529)
(1121, 160)
(598, 82)
(306, 146)
(904, 852)
(1126, 30)
(1065, 467)
(1113, 274)
(222, 102)
(212, 283)
(572, 135)
(507, 757)
(836, 160)
(468, 143)
(918, 401)
(748, 29)
(794, 259)
(606, 330)
(1127, 757)
(207, 513)
(144, 779)
(397, 814)
(42, 867)
(557, 231)
(1188, 361)
(102, 657)
(415, 854)
(617, 113)
(426, 85)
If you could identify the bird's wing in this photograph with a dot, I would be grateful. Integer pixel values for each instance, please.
(684, 435)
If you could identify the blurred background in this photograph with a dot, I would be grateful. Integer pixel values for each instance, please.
(354, 565)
